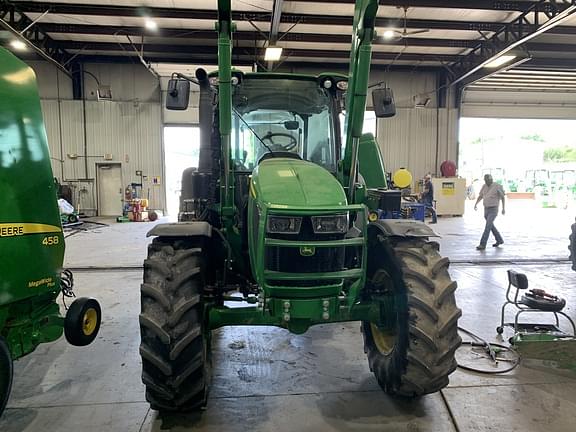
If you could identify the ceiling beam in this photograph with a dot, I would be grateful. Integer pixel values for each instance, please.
(193, 50)
(511, 36)
(286, 18)
(275, 20)
(19, 26)
(274, 27)
(518, 6)
(89, 29)
(287, 65)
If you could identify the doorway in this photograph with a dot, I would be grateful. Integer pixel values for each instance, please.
(109, 180)
(531, 158)
(181, 149)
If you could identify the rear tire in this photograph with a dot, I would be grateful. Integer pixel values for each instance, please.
(417, 357)
(174, 341)
(6, 373)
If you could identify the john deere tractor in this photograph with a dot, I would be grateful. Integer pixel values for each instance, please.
(282, 216)
(31, 239)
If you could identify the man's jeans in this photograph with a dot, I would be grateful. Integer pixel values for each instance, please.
(490, 214)
(430, 206)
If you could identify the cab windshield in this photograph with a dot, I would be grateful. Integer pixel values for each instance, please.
(282, 115)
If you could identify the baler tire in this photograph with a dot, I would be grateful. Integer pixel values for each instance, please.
(6, 374)
(82, 321)
(420, 355)
(175, 346)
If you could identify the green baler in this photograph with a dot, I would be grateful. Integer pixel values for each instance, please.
(279, 218)
(31, 237)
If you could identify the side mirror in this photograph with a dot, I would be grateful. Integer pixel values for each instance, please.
(383, 102)
(178, 94)
(291, 125)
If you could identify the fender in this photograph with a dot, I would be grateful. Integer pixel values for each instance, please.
(182, 229)
(402, 228)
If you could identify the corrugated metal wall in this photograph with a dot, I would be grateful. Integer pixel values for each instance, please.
(129, 131)
(418, 139)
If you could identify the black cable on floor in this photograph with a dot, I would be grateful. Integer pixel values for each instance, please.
(479, 342)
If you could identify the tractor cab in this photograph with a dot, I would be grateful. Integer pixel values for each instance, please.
(275, 115)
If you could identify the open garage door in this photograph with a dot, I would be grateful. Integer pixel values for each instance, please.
(523, 93)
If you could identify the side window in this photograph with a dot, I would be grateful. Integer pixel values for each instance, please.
(370, 125)
(320, 140)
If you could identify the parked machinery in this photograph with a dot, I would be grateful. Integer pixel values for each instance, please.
(278, 220)
(31, 238)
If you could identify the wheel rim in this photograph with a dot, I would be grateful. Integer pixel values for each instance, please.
(384, 341)
(89, 321)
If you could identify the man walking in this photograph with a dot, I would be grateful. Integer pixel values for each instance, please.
(427, 197)
(492, 193)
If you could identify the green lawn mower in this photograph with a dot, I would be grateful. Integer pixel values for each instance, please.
(31, 239)
(281, 218)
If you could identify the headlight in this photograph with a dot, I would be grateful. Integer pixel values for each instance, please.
(330, 224)
(283, 225)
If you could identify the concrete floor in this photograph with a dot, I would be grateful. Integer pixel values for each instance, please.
(319, 381)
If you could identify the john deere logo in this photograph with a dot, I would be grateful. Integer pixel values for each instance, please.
(307, 251)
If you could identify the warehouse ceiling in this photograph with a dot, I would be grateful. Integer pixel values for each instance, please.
(453, 36)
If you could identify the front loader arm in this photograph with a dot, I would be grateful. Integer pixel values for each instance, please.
(225, 28)
(360, 58)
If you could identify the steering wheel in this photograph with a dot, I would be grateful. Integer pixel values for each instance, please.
(281, 147)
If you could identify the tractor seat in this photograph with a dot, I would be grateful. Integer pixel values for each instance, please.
(535, 299)
(518, 280)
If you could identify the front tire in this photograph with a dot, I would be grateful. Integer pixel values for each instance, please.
(418, 355)
(6, 373)
(174, 339)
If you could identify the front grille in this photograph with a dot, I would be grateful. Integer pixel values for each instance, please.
(291, 260)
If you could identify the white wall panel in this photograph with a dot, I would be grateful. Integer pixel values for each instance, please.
(52, 121)
(129, 131)
(418, 139)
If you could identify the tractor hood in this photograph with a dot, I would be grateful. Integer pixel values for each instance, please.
(284, 182)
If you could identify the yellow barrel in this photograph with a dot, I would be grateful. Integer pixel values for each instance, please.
(402, 178)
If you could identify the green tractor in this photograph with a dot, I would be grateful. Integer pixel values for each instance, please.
(279, 220)
(31, 237)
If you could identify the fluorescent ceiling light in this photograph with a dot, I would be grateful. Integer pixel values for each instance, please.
(17, 44)
(273, 53)
(388, 34)
(151, 25)
(500, 61)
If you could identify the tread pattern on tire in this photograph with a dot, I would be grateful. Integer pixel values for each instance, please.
(174, 349)
(427, 335)
(6, 373)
